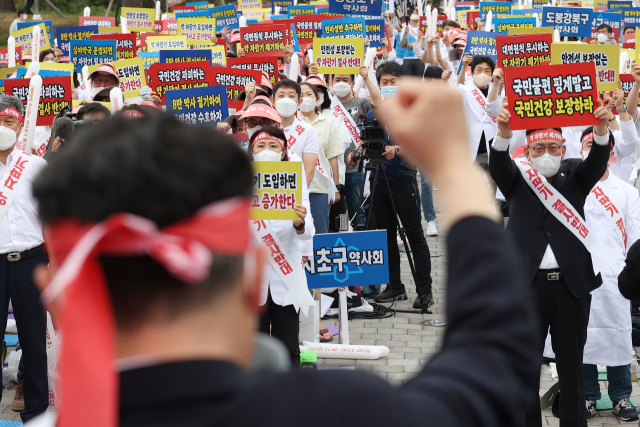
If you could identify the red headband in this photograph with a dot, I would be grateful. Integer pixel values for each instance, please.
(586, 138)
(540, 135)
(264, 135)
(11, 112)
(88, 380)
(133, 114)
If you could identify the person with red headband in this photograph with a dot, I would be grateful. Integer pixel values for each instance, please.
(560, 256)
(280, 317)
(21, 251)
(147, 252)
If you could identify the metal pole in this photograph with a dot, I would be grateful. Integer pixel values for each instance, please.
(109, 7)
(54, 8)
(36, 16)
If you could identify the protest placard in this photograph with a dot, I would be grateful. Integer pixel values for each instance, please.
(631, 17)
(218, 55)
(268, 64)
(168, 27)
(132, 78)
(4, 55)
(264, 39)
(346, 28)
(60, 69)
(149, 58)
(525, 50)
(235, 79)
(614, 20)
(66, 34)
(614, 4)
(252, 15)
(570, 22)
(283, 5)
(23, 39)
(375, 31)
(182, 9)
(139, 20)
(199, 5)
(155, 44)
(182, 75)
(91, 52)
(522, 31)
(502, 25)
(196, 14)
(301, 10)
(125, 44)
(225, 16)
(338, 55)
(174, 56)
(626, 82)
(5, 73)
(249, 4)
(47, 25)
(605, 57)
(109, 30)
(358, 259)
(199, 106)
(360, 7)
(100, 21)
(277, 188)
(197, 28)
(55, 94)
(549, 96)
(495, 7)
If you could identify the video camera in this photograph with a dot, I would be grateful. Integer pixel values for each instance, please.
(77, 124)
(372, 136)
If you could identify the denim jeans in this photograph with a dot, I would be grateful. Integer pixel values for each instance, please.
(352, 188)
(320, 211)
(619, 378)
(426, 197)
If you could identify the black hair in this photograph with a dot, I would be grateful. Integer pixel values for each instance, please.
(273, 131)
(21, 12)
(629, 28)
(353, 76)
(389, 67)
(612, 140)
(286, 84)
(45, 53)
(607, 26)
(481, 59)
(157, 168)
(315, 92)
(433, 73)
(92, 108)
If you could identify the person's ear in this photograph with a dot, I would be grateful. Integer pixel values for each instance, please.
(299, 99)
(526, 153)
(18, 132)
(283, 155)
(564, 151)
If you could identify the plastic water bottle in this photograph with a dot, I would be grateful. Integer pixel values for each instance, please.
(6, 377)
(634, 368)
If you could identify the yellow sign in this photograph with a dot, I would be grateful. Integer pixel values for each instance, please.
(109, 30)
(218, 56)
(277, 189)
(132, 77)
(637, 45)
(540, 30)
(197, 29)
(140, 20)
(605, 57)
(23, 39)
(249, 4)
(338, 56)
(154, 44)
(462, 16)
(7, 72)
(75, 103)
(253, 14)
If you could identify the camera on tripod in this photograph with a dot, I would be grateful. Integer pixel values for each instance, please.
(372, 136)
(66, 112)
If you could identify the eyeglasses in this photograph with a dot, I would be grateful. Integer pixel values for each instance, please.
(263, 122)
(554, 150)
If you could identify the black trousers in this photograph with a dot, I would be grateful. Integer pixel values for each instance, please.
(566, 318)
(28, 6)
(406, 197)
(282, 323)
(16, 283)
(413, 67)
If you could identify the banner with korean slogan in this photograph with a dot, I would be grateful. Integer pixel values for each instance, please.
(235, 79)
(502, 25)
(614, 20)
(132, 78)
(524, 51)
(182, 9)
(199, 106)
(283, 5)
(91, 52)
(182, 75)
(155, 44)
(356, 7)
(174, 56)
(55, 94)
(66, 34)
(570, 22)
(149, 58)
(249, 4)
(354, 259)
(196, 14)
(197, 28)
(375, 31)
(252, 15)
(268, 64)
(301, 10)
(295, 43)
(539, 30)
(168, 27)
(480, 43)
(626, 83)
(109, 30)
(126, 44)
(23, 40)
(225, 16)
(495, 7)
(614, 4)
(349, 28)
(48, 27)
(139, 20)
(99, 21)
(307, 27)
(631, 17)
(199, 5)
(605, 57)
(548, 96)
(335, 56)
(4, 55)
(277, 188)
(218, 56)
(61, 68)
(264, 39)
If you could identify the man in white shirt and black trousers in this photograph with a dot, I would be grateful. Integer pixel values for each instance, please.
(21, 251)
(554, 259)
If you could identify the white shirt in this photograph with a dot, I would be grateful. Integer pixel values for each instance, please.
(20, 228)
(301, 138)
(344, 137)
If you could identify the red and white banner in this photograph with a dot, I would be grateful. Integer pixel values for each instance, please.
(11, 180)
(611, 212)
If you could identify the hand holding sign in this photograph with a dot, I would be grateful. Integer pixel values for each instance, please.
(301, 211)
(635, 71)
(498, 78)
(618, 97)
(503, 120)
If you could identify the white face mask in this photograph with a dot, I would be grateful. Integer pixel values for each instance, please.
(546, 165)
(585, 154)
(320, 99)
(251, 131)
(602, 38)
(342, 89)
(481, 80)
(286, 107)
(95, 91)
(267, 156)
(8, 137)
(307, 105)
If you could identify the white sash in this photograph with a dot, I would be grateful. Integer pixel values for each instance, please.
(338, 110)
(413, 31)
(611, 212)
(559, 207)
(481, 100)
(291, 274)
(11, 179)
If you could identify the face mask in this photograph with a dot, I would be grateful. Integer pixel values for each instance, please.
(320, 99)
(267, 156)
(388, 91)
(481, 80)
(50, 60)
(307, 105)
(547, 165)
(602, 38)
(7, 138)
(251, 131)
(342, 89)
(95, 91)
(585, 154)
(286, 107)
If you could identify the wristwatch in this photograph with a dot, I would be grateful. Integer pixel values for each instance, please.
(397, 150)
(623, 109)
(301, 226)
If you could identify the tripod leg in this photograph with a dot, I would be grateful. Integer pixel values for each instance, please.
(373, 168)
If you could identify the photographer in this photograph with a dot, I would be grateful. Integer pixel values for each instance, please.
(405, 196)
